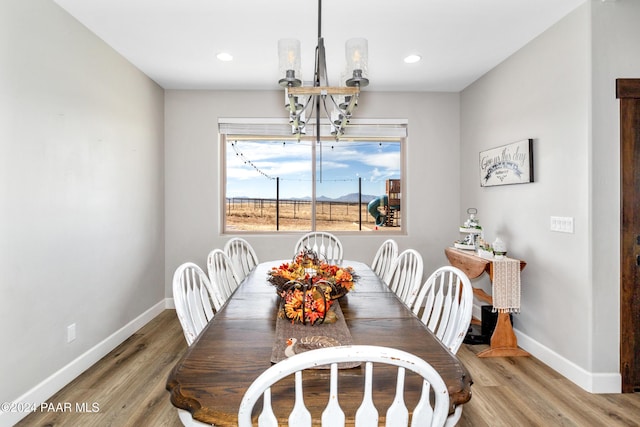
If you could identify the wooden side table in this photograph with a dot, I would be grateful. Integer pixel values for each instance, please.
(503, 341)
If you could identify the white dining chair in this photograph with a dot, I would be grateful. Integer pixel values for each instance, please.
(222, 275)
(196, 303)
(384, 257)
(187, 419)
(242, 256)
(326, 245)
(195, 299)
(424, 413)
(405, 275)
(444, 303)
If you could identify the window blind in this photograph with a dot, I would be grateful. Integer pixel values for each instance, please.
(360, 128)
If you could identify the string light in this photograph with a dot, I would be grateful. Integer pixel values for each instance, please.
(249, 162)
(246, 161)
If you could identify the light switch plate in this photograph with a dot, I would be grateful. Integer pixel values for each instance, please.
(71, 332)
(562, 224)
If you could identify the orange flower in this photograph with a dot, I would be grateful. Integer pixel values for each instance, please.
(306, 266)
(314, 307)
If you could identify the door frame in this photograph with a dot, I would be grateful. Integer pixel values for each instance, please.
(628, 91)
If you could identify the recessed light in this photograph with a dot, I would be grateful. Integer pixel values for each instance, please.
(412, 59)
(224, 56)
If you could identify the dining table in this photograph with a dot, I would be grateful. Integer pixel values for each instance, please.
(237, 345)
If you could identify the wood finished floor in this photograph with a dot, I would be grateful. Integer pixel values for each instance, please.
(128, 386)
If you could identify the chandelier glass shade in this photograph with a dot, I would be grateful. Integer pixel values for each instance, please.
(336, 103)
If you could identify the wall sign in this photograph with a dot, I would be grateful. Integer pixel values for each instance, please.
(509, 164)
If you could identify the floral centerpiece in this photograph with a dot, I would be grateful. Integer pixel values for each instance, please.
(308, 286)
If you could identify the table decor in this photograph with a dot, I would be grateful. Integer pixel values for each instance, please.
(306, 269)
(296, 337)
(472, 230)
(310, 289)
(306, 303)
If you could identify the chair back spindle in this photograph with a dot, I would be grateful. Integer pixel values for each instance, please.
(242, 255)
(326, 245)
(222, 275)
(386, 254)
(397, 415)
(194, 299)
(405, 275)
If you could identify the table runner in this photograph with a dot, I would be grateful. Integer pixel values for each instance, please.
(319, 335)
(506, 285)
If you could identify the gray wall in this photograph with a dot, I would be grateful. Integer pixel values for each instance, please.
(193, 176)
(560, 90)
(614, 39)
(81, 191)
(541, 92)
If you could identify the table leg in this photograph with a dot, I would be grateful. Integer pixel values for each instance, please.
(503, 341)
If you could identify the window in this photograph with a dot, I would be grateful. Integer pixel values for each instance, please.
(269, 180)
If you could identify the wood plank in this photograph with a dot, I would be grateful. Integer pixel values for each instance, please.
(323, 90)
(127, 385)
(627, 88)
(535, 393)
(470, 264)
(482, 295)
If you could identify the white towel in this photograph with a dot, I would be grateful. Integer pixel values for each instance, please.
(506, 285)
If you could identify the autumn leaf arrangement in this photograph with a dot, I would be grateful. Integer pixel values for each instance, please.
(308, 286)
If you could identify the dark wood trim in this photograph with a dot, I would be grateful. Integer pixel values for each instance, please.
(628, 88)
(628, 91)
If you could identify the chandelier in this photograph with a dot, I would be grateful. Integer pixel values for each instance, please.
(336, 103)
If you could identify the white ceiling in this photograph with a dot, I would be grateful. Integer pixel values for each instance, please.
(175, 42)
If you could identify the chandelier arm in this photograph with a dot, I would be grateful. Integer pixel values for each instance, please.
(298, 112)
(353, 102)
(324, 106)
(310, 105)
(335, 104)
(297, 125)
(340, 122)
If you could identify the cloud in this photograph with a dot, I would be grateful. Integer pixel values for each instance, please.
(387, 161)
(250, 164)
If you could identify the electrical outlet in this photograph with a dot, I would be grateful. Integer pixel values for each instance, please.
(562, 224)
(71, 332)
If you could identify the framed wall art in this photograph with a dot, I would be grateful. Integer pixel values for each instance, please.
(508, 164)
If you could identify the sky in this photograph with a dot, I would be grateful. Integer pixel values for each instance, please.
(252, 167)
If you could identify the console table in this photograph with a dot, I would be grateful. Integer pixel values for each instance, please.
(503, 341)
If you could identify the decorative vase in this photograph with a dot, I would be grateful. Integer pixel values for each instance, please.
(499, 248)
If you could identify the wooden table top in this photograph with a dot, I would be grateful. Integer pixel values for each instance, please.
(470, 263)
(212, 376)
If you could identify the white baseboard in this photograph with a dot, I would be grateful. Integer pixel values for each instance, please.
(597, 383)
(593, 382)
(51, 385)
(169, 304)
